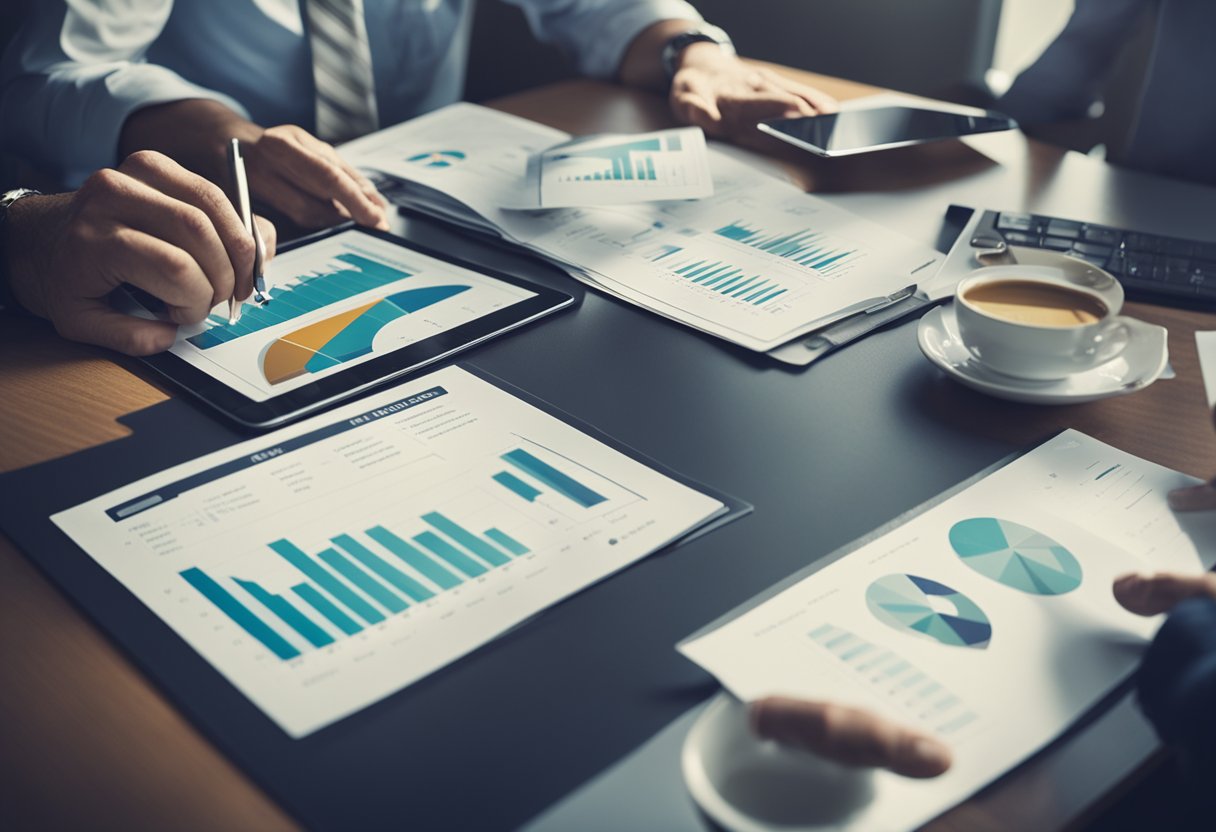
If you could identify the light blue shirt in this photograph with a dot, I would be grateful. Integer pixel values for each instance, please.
(79, 68)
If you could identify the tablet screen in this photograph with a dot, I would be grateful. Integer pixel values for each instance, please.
(856, 131)
(338, 302)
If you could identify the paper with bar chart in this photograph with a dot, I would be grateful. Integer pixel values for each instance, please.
(755, 264)
(338, 302)
(326, 565)
(987, 619)
(758, 262)
(614, 170)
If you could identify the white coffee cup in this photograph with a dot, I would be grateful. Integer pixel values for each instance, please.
(1018, 340)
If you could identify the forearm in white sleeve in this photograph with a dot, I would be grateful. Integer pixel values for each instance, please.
(73, 75)
(596, 33)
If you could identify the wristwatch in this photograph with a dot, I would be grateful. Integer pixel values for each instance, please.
(670, 56)
(7, 299)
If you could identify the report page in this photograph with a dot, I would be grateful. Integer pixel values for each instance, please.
(987, 620)
(324, 566)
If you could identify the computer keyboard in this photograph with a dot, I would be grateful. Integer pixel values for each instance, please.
(1165, 270)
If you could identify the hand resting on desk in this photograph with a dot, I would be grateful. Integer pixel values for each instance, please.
(150, 223)
(726, 97)
(289, 169)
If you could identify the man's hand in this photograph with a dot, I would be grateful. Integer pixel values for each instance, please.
(307, 180)
(726, 97)
(150, 223)
(288, 169)
(849, 736)
(1194, 498)
(1155, 594)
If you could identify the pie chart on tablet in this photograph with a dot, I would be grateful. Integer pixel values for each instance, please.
(929, 609)
(1016, 556)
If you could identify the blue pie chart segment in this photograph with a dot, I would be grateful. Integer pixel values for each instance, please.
(906, 602)
(1016, 556)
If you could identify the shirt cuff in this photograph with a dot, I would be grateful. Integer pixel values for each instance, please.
(601, 54)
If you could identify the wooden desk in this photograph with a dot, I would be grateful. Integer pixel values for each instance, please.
(88, 743)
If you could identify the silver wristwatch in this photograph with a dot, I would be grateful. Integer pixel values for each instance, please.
(670, 56)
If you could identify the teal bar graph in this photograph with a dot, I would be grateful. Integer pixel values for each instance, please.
(507, 542)
(467, 539)
(553, 478)
(309, 595)
(514, 483)
(373, 588)
(290, 616)
(437, 545)
(324, 579)
(413, 558)
(619, 160)
(312, 292)
(240, 614)
(805, 247)
(723, 278)
(383, 568)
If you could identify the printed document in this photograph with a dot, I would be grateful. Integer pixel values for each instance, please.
(987, 620)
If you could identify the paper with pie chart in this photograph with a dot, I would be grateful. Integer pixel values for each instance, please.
(987, 620)
(337, 302)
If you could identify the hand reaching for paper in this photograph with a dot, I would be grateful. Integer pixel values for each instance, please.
(849, 736)
(307, 180)
(726, 97)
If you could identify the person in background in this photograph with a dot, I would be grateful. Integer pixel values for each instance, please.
(1175, 129)
(88, 81)
(149, 223)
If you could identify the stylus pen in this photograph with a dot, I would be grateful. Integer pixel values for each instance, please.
(240, 181)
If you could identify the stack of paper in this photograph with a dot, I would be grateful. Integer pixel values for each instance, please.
(759, 263)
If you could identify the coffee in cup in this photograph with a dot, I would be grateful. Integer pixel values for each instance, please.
(1029, 322)
(1037, 303)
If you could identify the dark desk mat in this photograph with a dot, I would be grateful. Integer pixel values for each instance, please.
(457, 750)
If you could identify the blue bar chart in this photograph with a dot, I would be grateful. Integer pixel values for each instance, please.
(805, 247)
(720, 276)
(350, 585)
(622, 162)
(890, 675)
(324, 566)
(352, 275)
(547, 475)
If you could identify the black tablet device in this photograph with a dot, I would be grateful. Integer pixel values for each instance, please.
(350, 309)
(880, 128)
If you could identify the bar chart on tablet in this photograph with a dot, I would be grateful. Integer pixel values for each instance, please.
(337, 302)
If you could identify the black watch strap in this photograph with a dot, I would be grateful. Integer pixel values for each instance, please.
(670, 56)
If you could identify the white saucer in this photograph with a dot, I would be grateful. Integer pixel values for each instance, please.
(749, 785)
(1140, 364)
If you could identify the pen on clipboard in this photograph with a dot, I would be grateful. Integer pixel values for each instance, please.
(240, 182)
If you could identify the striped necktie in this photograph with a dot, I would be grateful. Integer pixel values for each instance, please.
(341, 69)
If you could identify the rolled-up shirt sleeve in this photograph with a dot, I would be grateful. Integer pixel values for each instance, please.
(596, 33)
(74, 74)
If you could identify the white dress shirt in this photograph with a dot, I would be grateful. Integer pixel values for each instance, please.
(79, 68)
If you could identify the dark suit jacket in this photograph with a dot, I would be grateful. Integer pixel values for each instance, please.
(1175, 133)
(1177, 684)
